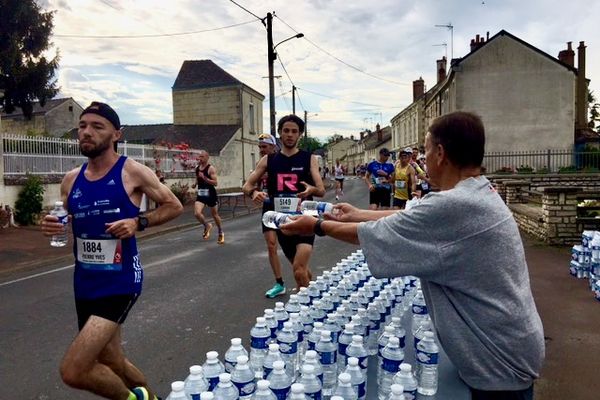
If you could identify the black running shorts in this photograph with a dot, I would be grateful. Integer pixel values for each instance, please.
(288, 243)
(113, 308)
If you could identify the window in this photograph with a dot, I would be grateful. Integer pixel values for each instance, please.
(70, 108)
(251, 118)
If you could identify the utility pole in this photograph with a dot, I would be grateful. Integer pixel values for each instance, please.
(294, 100)
(306, 129)
(271, 57)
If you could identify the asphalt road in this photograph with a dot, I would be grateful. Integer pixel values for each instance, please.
(197, 296)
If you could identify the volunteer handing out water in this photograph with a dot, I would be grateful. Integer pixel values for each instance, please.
(292, 176)
(475, 275)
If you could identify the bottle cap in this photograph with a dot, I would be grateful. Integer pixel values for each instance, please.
(236, 341)
(177, 386)
(196, 369)
(397, 388)
(263, 384)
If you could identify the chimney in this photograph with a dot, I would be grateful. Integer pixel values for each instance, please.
(351, 137)
(418, 88)
(362, 135)
(379, 133)
(477, 42)
(441, 69)
(567, 56)
(581, 122)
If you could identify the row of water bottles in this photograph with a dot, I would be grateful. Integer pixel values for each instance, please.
(329, 330)
(274, 219)
(585, 261)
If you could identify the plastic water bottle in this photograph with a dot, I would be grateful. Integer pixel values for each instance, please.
(312, 358)
(288, 346)
(272, 356)
(427, 356)
(357, 350)
(243, 378)
(312, 385)
(236, 349)
(419, 311)
(280, 315)
(327, 353)
(195, 383)
(177, 391)
(399, 331)
(397, 392)
(59, 211)
(420, 333)
(303, 297)
(316, 207)
(344, 341)
(259, 337)
(263, 392)
(358, 379)
(292, 306)
(374, 329)
(314, 336)
(271, 323)
(406, 378)
(298, 328)
(332, 326)
(225, 389)
(281, 381)
(274, 219)
(212, 368)
(344, 388)
(392, 356)
(297, 392)
(388, 332)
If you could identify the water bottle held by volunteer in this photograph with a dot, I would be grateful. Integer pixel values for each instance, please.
(274, 219)
(316, 207)
(60, 240)
(427, 357)
(195, 383)
(177, 391)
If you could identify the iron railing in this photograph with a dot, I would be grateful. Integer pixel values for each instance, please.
(540, 161)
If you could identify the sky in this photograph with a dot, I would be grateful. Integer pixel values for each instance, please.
(353, 69)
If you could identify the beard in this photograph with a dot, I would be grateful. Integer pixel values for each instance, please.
(96, 150)
(292, 146)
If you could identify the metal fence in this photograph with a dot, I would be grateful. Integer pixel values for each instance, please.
(550, 161)
(47, 155)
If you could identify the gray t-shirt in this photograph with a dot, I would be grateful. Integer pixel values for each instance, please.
(465, 246)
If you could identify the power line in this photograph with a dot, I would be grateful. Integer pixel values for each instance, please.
(153, 35)
(344, 62)
(347, 101)
(248, 11)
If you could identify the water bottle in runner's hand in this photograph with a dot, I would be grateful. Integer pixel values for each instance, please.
(59, 211)
(318, 207)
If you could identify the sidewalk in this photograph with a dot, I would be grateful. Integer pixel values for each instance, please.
(570, 314)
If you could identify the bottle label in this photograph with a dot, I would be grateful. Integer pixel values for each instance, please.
(64, 219)
(328, 357)
(427, 358)
(282, 393)
(300, 336)
(288, 348)
(245, 388)
(259, 342)
(212, 383)
(362, 390)
(402, 341)
(311, 345)
(391, 365)
(230, 366)
(195, 396)
(363, 362)
(314, 396)
(266, 372)
(420, 310)
(342, 349)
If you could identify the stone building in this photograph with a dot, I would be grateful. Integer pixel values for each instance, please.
(56, 118)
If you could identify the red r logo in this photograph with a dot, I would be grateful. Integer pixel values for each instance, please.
(287, 182)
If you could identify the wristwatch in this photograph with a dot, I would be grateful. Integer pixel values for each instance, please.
(142, 222)
(317, 228)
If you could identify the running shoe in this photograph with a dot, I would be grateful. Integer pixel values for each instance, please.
(277, 290)
(142, 394)
(206, 233)
(221, 238)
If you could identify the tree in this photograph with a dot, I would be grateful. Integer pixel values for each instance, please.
(594, 110)
(309, 144)
(25, 72)
(334, 138)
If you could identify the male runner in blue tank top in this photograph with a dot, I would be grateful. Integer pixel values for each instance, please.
(103, 198)
(293, 176)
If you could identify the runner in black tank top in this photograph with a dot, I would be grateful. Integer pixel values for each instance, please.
(293, 176)
(206, 182)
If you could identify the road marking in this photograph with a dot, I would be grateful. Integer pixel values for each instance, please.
(25, 278)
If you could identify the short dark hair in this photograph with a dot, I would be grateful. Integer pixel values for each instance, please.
(291, 118)
(462, 136)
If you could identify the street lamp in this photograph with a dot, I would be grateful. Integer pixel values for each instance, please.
(272, 56)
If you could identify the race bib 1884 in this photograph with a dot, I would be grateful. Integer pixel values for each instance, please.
(100, 254)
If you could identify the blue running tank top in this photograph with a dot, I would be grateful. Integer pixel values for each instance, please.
(104, 265)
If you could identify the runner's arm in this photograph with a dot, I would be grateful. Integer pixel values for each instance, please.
(250, 187)
(50, 225)
(212, 176)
